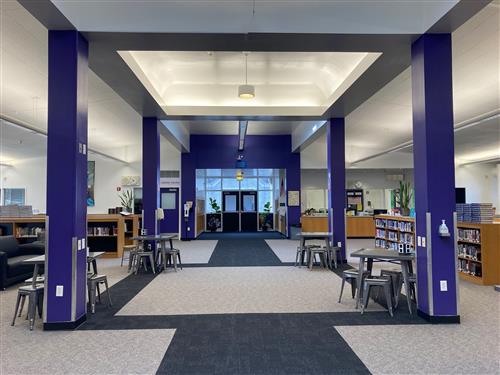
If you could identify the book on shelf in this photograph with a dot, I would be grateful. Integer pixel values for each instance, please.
(29, 231)
(470, 268)
(475, 212)
(469, 251)
(470, 235)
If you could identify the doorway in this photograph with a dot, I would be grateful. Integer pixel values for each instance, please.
(169, 202)
(230, 211)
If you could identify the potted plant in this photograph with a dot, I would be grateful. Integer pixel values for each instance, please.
(126, 200)
(214, 218)
(266, 217)
(403, 198)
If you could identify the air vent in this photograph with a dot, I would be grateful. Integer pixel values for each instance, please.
(169, 174)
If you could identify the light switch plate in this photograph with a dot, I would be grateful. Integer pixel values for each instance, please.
(59, 290)
(339, 244)
(443, 285)
(423, 241)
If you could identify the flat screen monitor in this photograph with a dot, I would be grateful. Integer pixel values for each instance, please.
(459, 195)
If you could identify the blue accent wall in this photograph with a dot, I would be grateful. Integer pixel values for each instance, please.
(221, 151)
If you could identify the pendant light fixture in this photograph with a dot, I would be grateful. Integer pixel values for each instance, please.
(246, 91)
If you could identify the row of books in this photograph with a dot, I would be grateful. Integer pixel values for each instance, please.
(380, 223)
(102, 231)
(380, 243)
(469, 251)
(471, 235)
(380, 233)
(29, 231)
(475, 212)
(15, 210)
(393, 236)
(469, 268)
(406, 238)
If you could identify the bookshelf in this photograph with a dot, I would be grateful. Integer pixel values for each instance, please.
(108, 233)
(392, 232)
(479, 252)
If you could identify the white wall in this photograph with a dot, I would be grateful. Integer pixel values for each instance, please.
(30, 174)
(480, 182)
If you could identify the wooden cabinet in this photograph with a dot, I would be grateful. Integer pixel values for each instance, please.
(356, 226)
(360, 227)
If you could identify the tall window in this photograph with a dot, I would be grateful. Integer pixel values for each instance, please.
(14, 196)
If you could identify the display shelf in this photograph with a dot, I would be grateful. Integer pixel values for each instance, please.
(395, 231)
(479, 252)
(111, 243)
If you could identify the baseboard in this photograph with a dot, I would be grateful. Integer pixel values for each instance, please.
(453, 319)
(360, 238)
(64, 326)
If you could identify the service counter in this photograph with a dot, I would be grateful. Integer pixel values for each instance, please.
(356, 226)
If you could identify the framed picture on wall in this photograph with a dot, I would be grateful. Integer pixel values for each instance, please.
(293, 198)
(90, 183)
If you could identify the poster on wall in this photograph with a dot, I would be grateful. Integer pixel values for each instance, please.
(90, 183)
(293, 198)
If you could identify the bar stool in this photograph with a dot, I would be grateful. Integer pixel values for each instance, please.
(302, 251)
(35, 299)
(174, 256)
(39, 280)
(130, 249)
(412, 278)
(351, 275)
(397, 282)
(321, 251)
(334, 256)
(139, 258)
(93, 288)
(382, 282)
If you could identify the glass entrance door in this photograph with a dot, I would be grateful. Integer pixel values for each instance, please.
(248, 214)
(230, 211)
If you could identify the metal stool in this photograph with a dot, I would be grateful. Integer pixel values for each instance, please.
(93, 288)
(139, 258)
(322, 256)
(302, 251)
(383, 282)
(352, 275)
(334, 256)
(35, 299)
(413, 282)
(39, 280)
(397, 282)
(174, 255)
(130, 248)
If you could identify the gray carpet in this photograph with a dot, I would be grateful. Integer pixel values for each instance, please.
(235, 252)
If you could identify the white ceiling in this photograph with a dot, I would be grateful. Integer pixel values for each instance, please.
(286, 84)
(231, 127)
(239, 16)
(114, 128)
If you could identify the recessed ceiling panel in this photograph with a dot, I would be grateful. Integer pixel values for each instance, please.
(286, 83)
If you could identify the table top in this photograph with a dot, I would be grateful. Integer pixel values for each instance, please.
(41, 258)
(382, 254)
(158, 237)
(314, 234)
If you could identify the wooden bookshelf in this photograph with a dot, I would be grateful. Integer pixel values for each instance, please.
(393, 231)
(479, 252)
(120, 230)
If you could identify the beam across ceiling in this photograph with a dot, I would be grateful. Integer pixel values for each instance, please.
(242, 133)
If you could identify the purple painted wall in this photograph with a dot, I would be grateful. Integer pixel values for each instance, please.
(66, 173)
(221, 151)
(433, 152)
(335, 153)
(150, 172)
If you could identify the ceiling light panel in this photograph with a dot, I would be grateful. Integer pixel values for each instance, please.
(286, 83)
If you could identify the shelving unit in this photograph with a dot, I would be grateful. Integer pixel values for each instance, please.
(25, 229)
(479, 252)
(391, 232)
(107, 233)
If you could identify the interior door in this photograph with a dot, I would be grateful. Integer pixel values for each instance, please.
(230, 211)
(169, 201)
(249, 216)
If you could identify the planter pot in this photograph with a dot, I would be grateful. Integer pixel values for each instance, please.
(214, 222)
(266, 221)
(405, 211)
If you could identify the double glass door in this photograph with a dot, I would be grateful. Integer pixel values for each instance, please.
(239, 211)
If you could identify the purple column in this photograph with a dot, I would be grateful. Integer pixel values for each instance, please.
(188, 193)
(433, 154)
(293, 184)
(150, 173)
(335, 154)
(66, 180)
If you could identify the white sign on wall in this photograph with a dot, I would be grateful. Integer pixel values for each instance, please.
(172, 182)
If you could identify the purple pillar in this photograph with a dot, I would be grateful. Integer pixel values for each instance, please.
(188, 193)
(335, 154)
(293, 184)
(433, 154)
(150, 173)
(66, 180)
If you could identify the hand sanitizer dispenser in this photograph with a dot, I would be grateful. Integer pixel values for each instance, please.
(443, 229)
